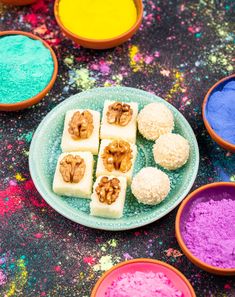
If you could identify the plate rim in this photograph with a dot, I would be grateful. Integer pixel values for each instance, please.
(63, 212)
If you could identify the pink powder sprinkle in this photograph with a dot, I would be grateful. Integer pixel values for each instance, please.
(142, 284)
(89, 260)
(31, 18)
(209, 232)
(3, 278)
(10, 200)
(148, 59)
(38, 235)
(57, 268)
(104, 67)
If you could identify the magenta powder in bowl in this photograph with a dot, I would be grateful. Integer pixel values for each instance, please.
(142, 284)
(208, 226)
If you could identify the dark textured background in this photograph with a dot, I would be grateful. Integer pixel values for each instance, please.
(182, 49)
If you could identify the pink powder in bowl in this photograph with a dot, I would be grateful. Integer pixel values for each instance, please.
(142, 284)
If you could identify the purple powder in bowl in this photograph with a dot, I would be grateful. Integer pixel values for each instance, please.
(208, 230)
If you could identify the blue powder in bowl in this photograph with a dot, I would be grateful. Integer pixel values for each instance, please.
(220, 111)
(26, 68)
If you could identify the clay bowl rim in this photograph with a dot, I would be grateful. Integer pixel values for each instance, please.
(100, 43)
(35, 99)
(186, 251)
(141, 260)
(223, 143)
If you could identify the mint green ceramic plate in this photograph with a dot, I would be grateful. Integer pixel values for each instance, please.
(45, 149)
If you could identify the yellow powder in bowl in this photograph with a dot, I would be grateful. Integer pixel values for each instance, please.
(97, 19)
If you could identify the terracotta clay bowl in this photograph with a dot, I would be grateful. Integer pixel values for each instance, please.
(35, 99)
(223, 143)
(18, 2)
(102, 43)
(203, 193)
(143, 265)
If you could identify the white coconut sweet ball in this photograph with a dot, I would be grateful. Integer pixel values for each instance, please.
(154, 120)
(150, 186)
(171, 151)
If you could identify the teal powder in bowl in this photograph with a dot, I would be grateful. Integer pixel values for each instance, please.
(26, 68)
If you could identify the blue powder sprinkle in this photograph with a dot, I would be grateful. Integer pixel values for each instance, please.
(220, 112)
(26, 68)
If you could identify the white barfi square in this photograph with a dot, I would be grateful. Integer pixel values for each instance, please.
(83, 188)
(101, 170)
(102, 209)
(113, 131)
(91, 144)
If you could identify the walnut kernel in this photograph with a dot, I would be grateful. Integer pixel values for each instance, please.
(81, 125)
(119, 113)
(117, 156)
(108, 190)
(72, 168)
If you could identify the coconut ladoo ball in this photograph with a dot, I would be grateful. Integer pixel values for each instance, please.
(155, 119)
(150, 186)
(171, 151)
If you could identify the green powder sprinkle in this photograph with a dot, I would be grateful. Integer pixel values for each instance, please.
(26, 136)
(83, 79)
(198, 35)
(26, 68)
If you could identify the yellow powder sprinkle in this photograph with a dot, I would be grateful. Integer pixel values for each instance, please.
(19, 281)
(19, 177)
(105, 263)
(177, 86)
(83, 79)
(112, 242)
(136, 62)
(69, 60)
(98, 19)
(12, 289)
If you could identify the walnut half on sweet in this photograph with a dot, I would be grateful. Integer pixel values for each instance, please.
(117, 156)
(108, 190)
(119, 113)
(81, 125)
(72, 168)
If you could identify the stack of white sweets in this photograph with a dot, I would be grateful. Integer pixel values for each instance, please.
(116, 156)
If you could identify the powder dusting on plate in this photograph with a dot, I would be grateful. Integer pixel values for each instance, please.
(143, 284)
(209, 231)
(26, 68)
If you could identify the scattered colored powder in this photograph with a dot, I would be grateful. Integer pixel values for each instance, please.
(209, 232)
(26, 136)
(105, 263)
(142, 284)
(112, 242)
(10, 200)
(136, 59)
(98, 19)
(26, 68)
(178, 85)
(3, 278)
(220, 111)
(19, 177)
(16, 286)
(83, 79)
